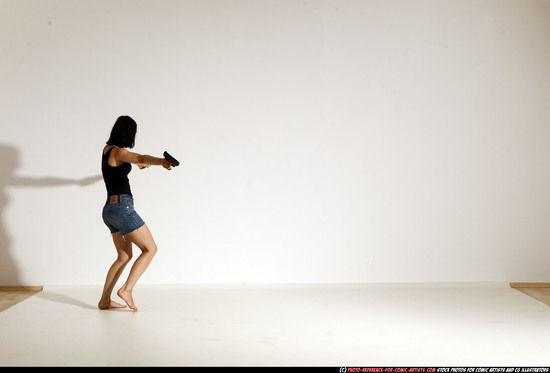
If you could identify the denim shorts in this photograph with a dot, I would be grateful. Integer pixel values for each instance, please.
(121, 216)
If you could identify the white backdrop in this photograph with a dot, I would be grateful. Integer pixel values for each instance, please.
(321, 141)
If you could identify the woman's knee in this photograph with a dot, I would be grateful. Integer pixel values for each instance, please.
(124, 258)
(149, 248)
(152, 249)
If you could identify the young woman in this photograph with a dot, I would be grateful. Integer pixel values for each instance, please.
(125, 224)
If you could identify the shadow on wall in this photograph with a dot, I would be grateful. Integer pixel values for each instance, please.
(9, 156)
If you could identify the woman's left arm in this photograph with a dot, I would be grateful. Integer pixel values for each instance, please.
(141, 159)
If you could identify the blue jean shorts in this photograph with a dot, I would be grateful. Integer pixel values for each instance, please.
(120, 216)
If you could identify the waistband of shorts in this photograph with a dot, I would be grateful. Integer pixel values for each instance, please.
(117, 198)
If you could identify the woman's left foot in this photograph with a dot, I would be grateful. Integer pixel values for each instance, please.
(109, 304)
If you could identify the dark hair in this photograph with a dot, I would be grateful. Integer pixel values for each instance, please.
(123, 133)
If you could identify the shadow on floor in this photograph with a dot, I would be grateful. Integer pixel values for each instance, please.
(61, 298)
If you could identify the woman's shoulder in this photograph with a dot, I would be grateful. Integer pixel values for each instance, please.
(109, 147)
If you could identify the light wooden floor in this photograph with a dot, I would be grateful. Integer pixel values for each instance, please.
(540, 294)
(9, 297)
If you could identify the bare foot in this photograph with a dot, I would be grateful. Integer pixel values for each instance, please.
(127, 297)
(105, 305)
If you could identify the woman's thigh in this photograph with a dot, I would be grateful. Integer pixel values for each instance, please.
(123, 245)
(143, 239)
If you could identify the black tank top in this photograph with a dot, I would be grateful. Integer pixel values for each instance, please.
(116, 178)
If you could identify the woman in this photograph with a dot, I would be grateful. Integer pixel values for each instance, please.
(125, 224)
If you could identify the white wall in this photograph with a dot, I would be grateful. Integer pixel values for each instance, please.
(321, 141)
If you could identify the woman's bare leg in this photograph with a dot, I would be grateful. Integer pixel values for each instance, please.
(124, 251)
(143, 239)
